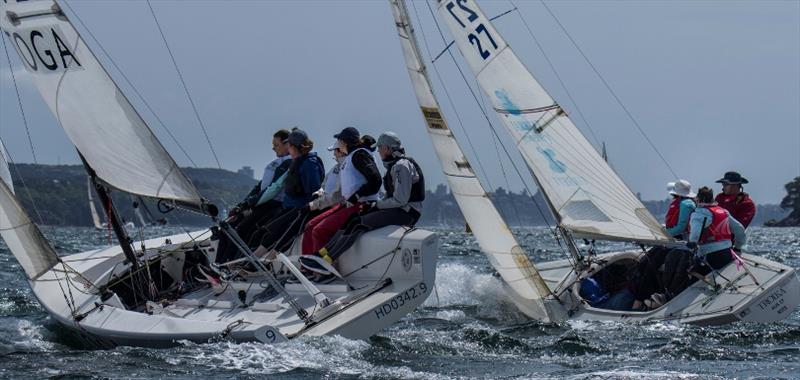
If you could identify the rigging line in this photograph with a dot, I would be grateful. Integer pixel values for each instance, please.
(11, 157)
(19, 103)
(183, 83)
(447, 95)
(125, 77)
(491, 126)
(552, 67)
(610, 90)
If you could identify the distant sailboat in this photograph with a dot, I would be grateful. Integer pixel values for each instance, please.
(586, 197)
(168, 290)
(95, 217)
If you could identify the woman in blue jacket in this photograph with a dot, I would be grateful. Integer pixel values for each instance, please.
(303, 178)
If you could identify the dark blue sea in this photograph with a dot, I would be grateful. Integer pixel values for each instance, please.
(466, 329)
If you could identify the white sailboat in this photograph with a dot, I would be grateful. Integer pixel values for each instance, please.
(586, 197)
(92, 208)
(158, 293)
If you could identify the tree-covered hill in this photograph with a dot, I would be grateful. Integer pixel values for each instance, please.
(59, 193)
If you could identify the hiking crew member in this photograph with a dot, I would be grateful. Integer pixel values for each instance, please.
(359, 181)
(713, 232)
(712, 229)
(253, 210)
(737, 202)
(676, 223)
(330, 194)
(401, 205)
(303, 178)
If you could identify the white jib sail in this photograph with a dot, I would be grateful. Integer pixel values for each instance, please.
(5, 173)
(23, 238)
(587, 196)
(92, 208)
(491, 232)
(95, 114)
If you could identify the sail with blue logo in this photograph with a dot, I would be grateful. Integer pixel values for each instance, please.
(528, 289)
(585, 195)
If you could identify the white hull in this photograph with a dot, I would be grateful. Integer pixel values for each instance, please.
(391, 286)
(738, 298)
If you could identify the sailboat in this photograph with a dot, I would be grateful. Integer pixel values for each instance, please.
(586, 197)
(160, 291)
(93, 211)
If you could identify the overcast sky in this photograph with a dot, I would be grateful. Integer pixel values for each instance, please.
(715, 84)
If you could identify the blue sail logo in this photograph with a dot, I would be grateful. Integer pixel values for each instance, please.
(555, 165)
(506, 102)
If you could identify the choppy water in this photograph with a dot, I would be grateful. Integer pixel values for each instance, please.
(467, 330)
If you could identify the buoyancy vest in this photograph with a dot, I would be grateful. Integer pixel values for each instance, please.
(293, 184)
(417, 188)
(719, 229)
(351, 179)
(673, 212)
(332, 180)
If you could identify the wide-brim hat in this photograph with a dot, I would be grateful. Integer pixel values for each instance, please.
(732, 178)
(681, 188)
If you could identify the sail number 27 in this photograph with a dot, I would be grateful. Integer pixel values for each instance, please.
(474, 37)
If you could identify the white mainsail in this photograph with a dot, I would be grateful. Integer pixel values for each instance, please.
(92, 208)
(584, 193)
(493, 235)
(95, 114)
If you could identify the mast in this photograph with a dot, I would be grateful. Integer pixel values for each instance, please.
(125, 241)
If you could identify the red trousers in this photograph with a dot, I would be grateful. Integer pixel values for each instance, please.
(321, 228)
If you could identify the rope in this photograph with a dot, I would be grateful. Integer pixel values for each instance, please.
(610, 90)
(30, 141)
(185, 88)
(19, 103)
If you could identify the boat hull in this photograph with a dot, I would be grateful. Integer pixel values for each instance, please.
(761, 291)
(393, 270)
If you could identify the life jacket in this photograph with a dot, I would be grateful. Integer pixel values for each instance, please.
(719, 229)
(673, 212)
(293, 185)
(332, 180)
(279, 171)
(417, 188)
(351, 179)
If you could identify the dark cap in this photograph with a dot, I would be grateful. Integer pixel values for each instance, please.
(349, 135)
(733, 178)
(297, 137)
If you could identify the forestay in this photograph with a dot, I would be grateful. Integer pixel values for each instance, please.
(491, 232)
(584, 193)
(95, 114)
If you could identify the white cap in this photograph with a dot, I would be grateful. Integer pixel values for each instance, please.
(681, 188)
